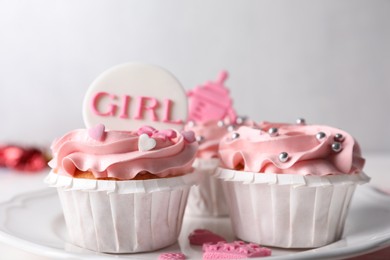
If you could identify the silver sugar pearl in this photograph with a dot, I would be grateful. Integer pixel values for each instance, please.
(320, 136)
(221, 123)
(339, 137)
(300, 121)
(273, 131)
(283, 157)
(230, 128)
(336, 147)
(235, 135)
(199, 138)
(240, 120)
(191, 124)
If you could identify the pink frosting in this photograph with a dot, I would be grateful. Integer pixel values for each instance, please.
(259, 151)
(209, 135)
(116, 154)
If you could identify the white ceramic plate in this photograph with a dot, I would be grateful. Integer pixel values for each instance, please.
(34, 222)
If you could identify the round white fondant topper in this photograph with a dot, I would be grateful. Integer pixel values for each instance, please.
(131, 95)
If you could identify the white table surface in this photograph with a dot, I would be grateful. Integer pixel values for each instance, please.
(13, 183)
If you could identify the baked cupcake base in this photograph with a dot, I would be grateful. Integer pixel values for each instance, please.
(207, 198)
(123, 216)
(287, 210)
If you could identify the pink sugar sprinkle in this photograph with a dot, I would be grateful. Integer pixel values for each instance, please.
(146, 130)
(202, 236)
(172, 256)
(233, 250)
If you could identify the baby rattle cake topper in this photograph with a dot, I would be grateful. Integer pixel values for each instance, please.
(211, 101)
(131, 95)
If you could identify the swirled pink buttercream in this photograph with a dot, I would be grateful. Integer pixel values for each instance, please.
(308, 147)
(118, 155)
(210, 133)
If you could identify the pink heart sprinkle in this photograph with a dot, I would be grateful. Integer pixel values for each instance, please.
(160, 135)
(146, 130)
(97, 132)
(168, 133)
(171, 256)
(189, 136)
(201, 236)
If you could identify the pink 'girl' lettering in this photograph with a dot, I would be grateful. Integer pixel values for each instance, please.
(144, 106)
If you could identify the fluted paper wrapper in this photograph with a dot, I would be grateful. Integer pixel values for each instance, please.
(123, 216)
(207, 198)
(286, 210)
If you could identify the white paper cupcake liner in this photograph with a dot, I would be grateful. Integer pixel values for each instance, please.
(123, 216)
(207, 198)
(286, 210)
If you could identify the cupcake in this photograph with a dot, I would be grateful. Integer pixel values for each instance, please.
(125, 190)
(287, 185)
(211, 116)
(207, 198)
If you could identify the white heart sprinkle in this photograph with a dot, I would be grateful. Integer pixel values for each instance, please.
(146, 143)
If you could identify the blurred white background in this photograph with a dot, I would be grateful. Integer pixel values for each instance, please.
(327, 61)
